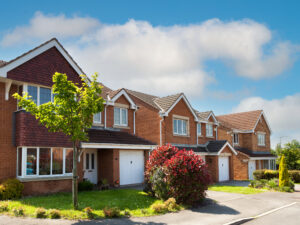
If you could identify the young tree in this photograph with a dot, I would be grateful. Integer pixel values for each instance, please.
(71, 113)
(291, 151)
(283, 173)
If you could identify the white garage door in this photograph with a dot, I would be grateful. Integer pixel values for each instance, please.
(223, 168)
(131, 167)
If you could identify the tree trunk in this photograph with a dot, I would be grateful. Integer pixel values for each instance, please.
(75, 178)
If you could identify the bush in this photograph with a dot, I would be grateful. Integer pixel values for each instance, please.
(159, 184)
(54, 214)
(18, 211)
(171, 204)
(11, 189)
(89, 212)
(40, 213)
(258, 174)
(295, 175)
(283, 173)
(258, 183)
(273, 184)
(85, 185)
(111, 212)
(3, 207)
(270, 174)
(159, 208)
(286, 189)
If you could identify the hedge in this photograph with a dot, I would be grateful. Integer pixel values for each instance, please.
(270, 174)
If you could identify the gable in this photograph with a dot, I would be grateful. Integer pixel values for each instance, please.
(262, 125)
(182, 109)
(122, 100)
(40, 69)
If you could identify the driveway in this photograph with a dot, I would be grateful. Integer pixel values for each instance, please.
(219, 208)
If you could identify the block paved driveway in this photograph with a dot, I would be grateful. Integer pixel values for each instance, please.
(220, 208)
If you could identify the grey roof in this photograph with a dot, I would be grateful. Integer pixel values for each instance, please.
(166, 102)
(210, 146)
(2, 63)
(251, 153)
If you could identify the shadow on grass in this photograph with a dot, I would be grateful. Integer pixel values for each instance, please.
(115, 222)
(122, 198)
(209, 206)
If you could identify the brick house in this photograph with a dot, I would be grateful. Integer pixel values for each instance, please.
(249, 134)
(172, 119)
(43, 160)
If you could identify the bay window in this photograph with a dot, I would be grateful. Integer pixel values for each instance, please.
(120, 116)
(179, 127)
(209, 130)
(44, 162)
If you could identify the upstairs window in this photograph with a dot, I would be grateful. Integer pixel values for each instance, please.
(120, 116)
(236, 139)
(199, 131)
(97, 117)
(209, 130)
(179, 127)
(40, 95)
(261, 139)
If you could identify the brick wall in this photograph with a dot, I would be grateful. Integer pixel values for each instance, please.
(30, 133)
(213, 167)
(8, 152)
(240, 167)
(203, 138)
(262, 127)
(181, 109)
(105, 165)
(41, 68)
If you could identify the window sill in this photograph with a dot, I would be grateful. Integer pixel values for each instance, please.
(98, 124)
(261, 145)
(44, 178)
(200, 136)
(181, 135)
(121, 127)
(210, 136)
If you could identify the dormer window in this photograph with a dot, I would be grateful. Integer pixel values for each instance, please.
(261, 139)
(235, 139)
(120, 116)
(209, 130)
(97, 118)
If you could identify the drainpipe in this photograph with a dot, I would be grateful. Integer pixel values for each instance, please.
(105, 116)
(160, 129)
(216, 132)
(134, 121)
(197, 132)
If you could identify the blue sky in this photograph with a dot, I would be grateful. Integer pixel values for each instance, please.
(142, 44)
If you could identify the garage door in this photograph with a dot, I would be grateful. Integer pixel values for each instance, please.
(223, 168)
(131, 167)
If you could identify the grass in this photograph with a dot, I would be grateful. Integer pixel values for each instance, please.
(236, 189)
(137, 203)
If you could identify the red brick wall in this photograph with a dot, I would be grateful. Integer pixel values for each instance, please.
(30, 133)
(147, 121)
(240, 167)
(181, 109)
(213, 167)
(8, 152)
(105, 165)
(262, 127)
(41, 68)
(203, 139)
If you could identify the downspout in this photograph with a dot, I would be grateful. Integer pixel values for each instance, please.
(216, 132)
(105, 116)
(197, 132)
(160, 129)
(134, 121)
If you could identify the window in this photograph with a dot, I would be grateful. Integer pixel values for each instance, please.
(40, 95)
(97, 117)
(209, 130)
(180, 127)
(199, 131)
(120, 116)
(265, 164)
(272, 164)
(261, 139)
(44, 161)
(236, 139)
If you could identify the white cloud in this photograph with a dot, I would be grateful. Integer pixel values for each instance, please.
(282, 114)
(162, 59)
(47, 26)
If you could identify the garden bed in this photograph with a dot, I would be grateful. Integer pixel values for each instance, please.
(236, 189)
(130, 202)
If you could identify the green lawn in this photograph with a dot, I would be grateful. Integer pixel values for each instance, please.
(236, 189)
(138, 203)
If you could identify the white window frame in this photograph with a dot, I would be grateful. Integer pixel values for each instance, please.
(261, 137)
(212, 130)
(122, 123)
(234, 139)
(24, 163)
(199, 129)
(182, 127)
(25, 89)
(95, 121)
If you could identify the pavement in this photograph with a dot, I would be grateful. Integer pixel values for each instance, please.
(219, 208)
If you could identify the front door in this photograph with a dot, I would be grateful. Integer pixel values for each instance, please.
(90, 165)
(223, 168)
(251, 168)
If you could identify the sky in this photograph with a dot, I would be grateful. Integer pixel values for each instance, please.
(226, 56)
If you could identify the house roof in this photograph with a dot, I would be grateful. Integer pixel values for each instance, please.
(148, 99)
(244, 121)
(115, 137)
(203, 115)
(36, 51)
(2, 63)
(165, 103)
(211, 147)
(254, 154)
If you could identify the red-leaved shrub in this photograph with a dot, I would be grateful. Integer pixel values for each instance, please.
(175, 173)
